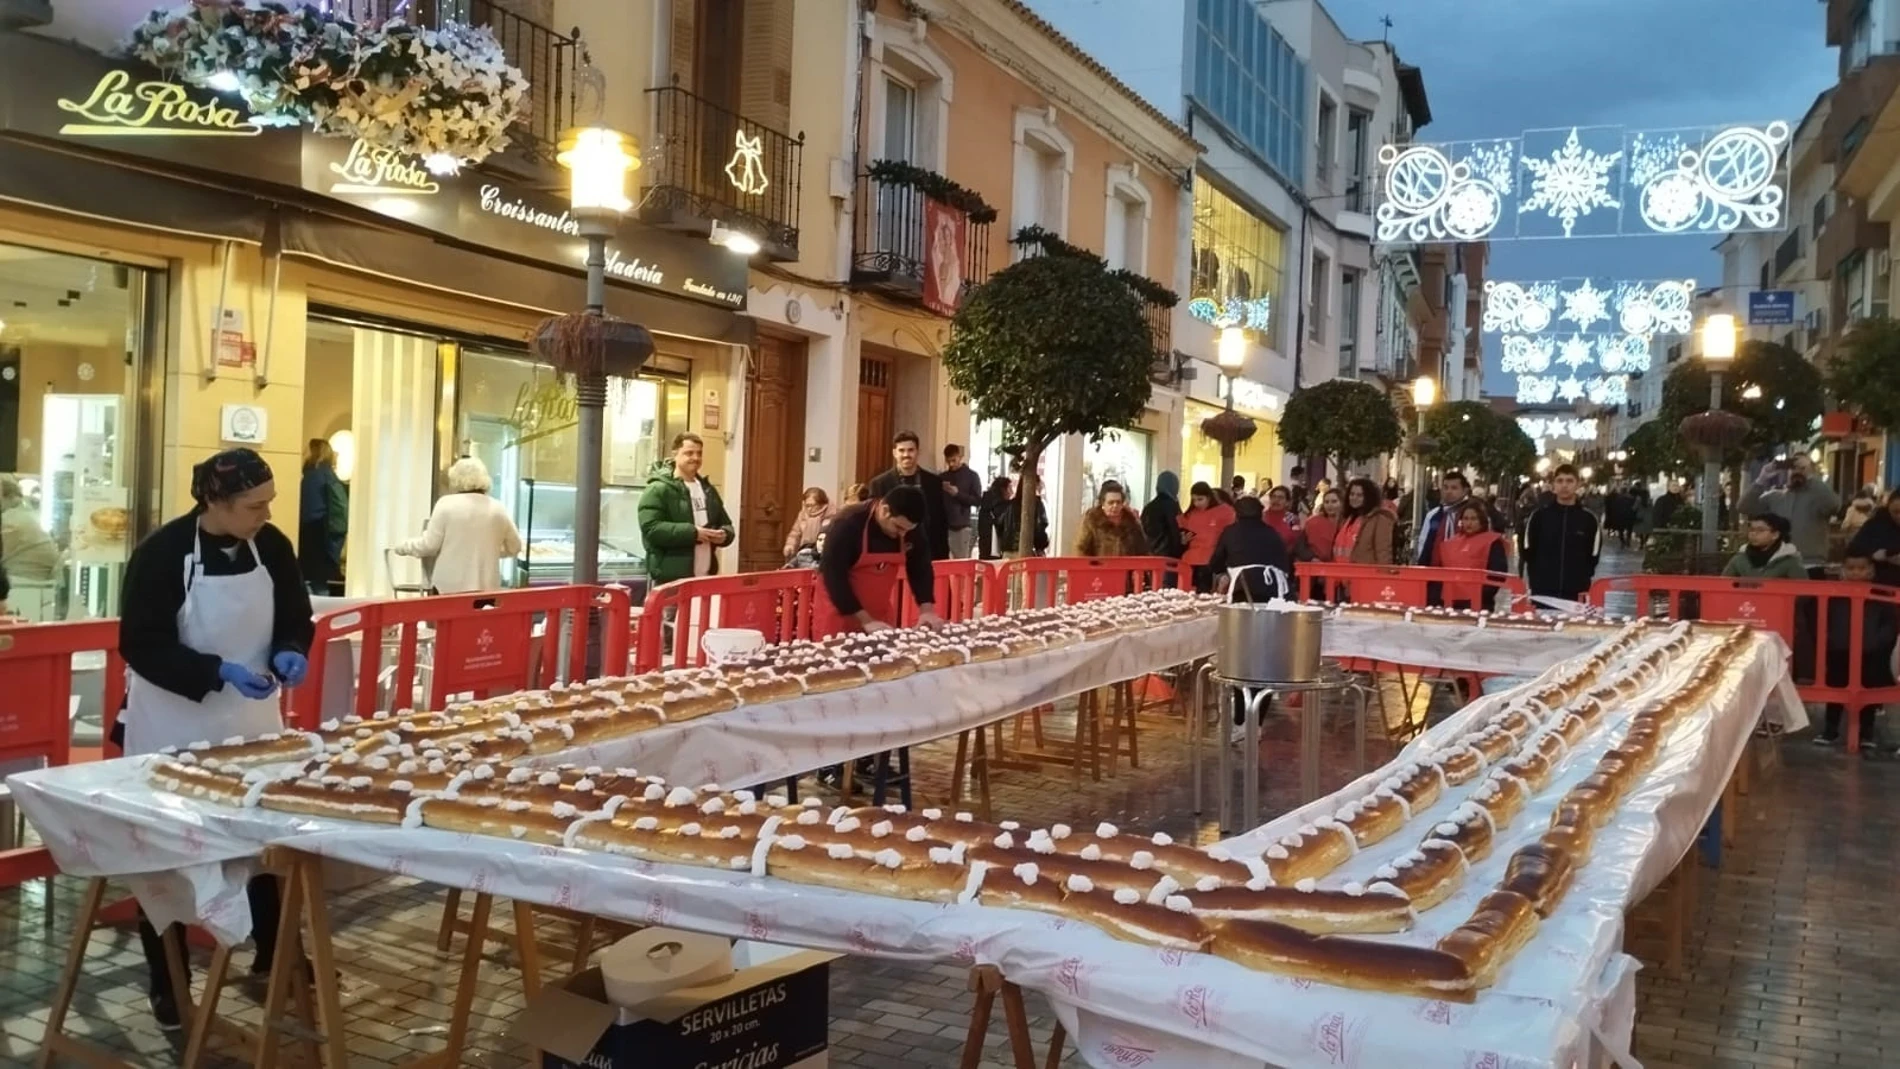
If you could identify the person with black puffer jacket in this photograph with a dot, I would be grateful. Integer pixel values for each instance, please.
(1561, 541)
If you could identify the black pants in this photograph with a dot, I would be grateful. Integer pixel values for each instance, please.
(266, 907)
(1832, 728)
(1203, 577)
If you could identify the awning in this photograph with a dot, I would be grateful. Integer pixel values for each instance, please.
(78, 185)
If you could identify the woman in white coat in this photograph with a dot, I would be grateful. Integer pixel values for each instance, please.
(469, 534)
(216, 619)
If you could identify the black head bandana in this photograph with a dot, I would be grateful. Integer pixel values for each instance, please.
(228, 474)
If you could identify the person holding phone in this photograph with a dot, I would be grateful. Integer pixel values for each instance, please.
(1793, 491)
(217, 619)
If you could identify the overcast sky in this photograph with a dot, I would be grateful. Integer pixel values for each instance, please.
(1495, 68)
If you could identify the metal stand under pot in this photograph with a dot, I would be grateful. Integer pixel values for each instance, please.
(1266, 648)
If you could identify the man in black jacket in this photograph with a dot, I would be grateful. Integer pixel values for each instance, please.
(1879, 632)
(1161, 517)
(1560, 542)
(908, 472)
(1250, 540)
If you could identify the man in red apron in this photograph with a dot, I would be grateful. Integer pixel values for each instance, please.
(870, 553)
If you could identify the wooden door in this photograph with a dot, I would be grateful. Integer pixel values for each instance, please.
(874, 415)
(774, 451)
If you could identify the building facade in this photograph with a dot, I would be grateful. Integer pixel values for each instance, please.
(1027, 131)
(174, 287)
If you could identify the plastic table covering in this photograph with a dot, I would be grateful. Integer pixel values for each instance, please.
(1124, 1004)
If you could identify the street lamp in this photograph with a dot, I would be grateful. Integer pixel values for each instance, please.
(1231, 353)
(598, 161)
(1718, 348)
(1424, 392)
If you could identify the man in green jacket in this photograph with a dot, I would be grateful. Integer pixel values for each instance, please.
(682, 521)
(1769, 553)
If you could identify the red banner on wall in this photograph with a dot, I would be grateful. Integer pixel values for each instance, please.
(944, 233)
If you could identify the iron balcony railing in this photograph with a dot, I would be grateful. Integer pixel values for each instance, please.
(888, 242)
(711, 164)
(551, 61)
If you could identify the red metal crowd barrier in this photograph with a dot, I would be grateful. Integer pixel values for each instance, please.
(1403, 584)
(776, 604)
(36, 675)
(482, 644)
(962, 588)
(1825, 624)
(1041, 582)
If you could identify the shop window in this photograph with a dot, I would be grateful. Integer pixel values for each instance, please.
(74, 338)
(522, 420)
(1236, 254)
(1127, 457)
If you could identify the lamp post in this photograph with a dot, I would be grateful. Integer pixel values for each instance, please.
(1424, 392)
(1718, 348)
(598, 161)
(1232, 355)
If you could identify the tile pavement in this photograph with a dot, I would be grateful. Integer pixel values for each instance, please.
(1793, 960)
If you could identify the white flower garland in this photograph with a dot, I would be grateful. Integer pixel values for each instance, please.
(447, 95)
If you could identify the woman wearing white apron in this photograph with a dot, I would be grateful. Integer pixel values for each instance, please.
(216, 618)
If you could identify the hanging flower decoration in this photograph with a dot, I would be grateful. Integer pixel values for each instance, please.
(1229, 428)
(448, 95)
(1714, 433)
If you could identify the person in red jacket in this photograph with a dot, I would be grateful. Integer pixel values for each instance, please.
(1207, 516)
(1473, 546)
(1280, 517)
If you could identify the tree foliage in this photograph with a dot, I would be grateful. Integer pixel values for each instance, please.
(1472, 437)
(1344, 420)
(1789, 401)
(1051, 345)
(1656, 449)
(1865, 373)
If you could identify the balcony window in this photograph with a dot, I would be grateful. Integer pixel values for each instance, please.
(1349, 287)
(1328, 140)
(1044, 158)
(1320, 297)
(1125, 243)
(717, 165)
(891, 248)
(1358, 157)
(1820, 215)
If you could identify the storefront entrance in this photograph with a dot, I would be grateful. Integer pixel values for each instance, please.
(774, 451)
(76, 337)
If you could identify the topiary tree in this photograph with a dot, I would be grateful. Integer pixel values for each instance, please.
(1051, 345)
(1509, 454)
(1865, 372)
(1657, 449)
(1786, 389)
(1343, 421)
(1470, 436)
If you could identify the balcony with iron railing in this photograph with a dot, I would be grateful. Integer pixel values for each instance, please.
(709, 164)
(890, 249)
(551, 61)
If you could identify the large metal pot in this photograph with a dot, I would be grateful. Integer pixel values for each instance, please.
(1272, 642)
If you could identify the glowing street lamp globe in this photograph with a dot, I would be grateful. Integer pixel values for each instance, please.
(598, 161)
(1232, 351)
(1424, 391)
(1718, 338)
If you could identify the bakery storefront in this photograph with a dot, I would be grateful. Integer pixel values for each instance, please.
(175, 279)
(1260, 457)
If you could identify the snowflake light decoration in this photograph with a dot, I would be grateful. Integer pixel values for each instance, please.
(1524, 355)
(1575, 351)
(1730, 182)
(1536, 389)
(1570, 183)
(1623, 353)
(1570, 389)
(1608, 390)
(1585, 306)
(1655, 307)
(1520, 307)
(1430, 195)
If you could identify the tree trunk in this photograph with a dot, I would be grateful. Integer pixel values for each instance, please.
(1027, 488)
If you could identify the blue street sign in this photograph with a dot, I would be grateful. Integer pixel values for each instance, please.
(1771, 308)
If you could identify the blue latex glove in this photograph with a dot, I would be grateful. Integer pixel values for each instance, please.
(247, 682)
(290, 667)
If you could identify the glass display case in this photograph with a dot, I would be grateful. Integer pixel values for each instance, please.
(544, 513)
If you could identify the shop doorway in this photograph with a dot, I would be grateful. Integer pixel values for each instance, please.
(774, 451)
(877, 377)
(76, 337)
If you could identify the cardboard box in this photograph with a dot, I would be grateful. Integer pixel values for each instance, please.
(774, 1013)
